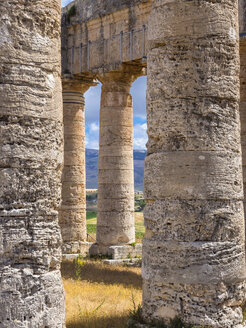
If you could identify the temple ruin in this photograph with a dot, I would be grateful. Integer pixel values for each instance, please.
(194, 55)
(110, 48)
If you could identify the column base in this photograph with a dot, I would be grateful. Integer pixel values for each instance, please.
(116, 252)
(75, 248)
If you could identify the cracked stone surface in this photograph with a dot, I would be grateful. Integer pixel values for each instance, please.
(31, 146)
(193, 251)
(242, 16)
(243, 106)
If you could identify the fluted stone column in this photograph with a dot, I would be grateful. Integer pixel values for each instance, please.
(73, 209)
(242, 17)
(115, 220)
(193, 256)
(31, 147)
(242, 30)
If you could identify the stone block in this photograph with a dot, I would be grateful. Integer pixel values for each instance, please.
(73, 249)
(117, 252)
(193, 175)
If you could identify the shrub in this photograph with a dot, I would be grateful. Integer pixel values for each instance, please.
(79, 263)
(71, 12)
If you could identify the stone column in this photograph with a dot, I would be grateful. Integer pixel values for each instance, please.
(31, 148)
(242, 17)
(193, 256)
(242, 25)
(115, 219)
(73, 210)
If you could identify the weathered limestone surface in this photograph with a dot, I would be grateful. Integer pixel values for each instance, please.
(242, 16)
(117, 252)
(115, 220)
(243, 108)
(31, 145)
(73, 210)
(242, 26)
(103, 34)
(87, 9)
(193, 252)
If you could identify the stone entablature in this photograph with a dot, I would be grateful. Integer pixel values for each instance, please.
(104, 34)
(100, 37)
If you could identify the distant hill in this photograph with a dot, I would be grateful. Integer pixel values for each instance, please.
(91, 157)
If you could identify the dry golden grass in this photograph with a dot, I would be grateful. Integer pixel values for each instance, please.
(102, 297)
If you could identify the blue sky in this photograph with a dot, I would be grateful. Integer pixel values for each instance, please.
(92, 108)
(65, 2)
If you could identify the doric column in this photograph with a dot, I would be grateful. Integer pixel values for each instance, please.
(73, 210)
(31, 146)
(115, 219)
(242, 25)
(242, 18)
(193, 251)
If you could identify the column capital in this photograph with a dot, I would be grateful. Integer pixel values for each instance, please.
(77, 84)
(122, 78)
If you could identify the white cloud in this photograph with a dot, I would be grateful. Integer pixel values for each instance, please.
(140, 136)
(92, 109)
(94, 127)
(91, 143)
(92, 136)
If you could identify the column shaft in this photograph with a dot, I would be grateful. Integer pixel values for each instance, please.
(31, 146)
(242, 23)
(72, 216)
(243, 110)
(73, 209)
(193, 252)
(242, 17)
(115, 220)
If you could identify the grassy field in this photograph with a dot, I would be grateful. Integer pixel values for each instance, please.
(139, 226)
(103, 296)
(91, 218)
(100, 296)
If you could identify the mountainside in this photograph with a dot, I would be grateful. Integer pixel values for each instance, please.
(91, 157)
